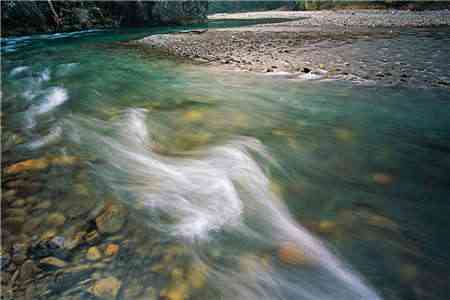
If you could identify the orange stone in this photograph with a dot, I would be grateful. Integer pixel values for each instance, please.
(111, 250)
(292, 254)
(28, 165)
(382, 178)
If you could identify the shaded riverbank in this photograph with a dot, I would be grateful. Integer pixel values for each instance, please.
(357, 45)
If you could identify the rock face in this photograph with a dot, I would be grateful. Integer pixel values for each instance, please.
(26, 17)
(180, 12)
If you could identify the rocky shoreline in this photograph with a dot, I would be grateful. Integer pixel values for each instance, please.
(315, 45)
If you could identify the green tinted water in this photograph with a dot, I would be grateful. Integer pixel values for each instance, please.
(363, 168)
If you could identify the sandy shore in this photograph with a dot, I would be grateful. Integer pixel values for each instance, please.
(363, 45)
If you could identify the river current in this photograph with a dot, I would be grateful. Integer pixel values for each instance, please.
(236, 185)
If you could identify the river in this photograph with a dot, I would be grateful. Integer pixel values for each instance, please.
(235, 185)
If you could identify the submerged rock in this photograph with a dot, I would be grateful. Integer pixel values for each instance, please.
(56, 219)
(178, 291)
(292, 254)
(112, 218)
(28, 165)
(111, 249)
(382, 178)
(93, 254)
(27, 270)
(197, 275)
(106, 288)
(52, 263)
(64, 160)
(133, 289)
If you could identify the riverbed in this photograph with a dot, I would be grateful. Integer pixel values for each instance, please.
(131, 174)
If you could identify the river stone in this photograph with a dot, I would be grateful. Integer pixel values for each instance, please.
(9, 195)
(112, 218)
(133, 289)
(149, 294)
(14, 224)
(16, 212)
(196, 275)
(18, 203)
(81, 207)
(27, 270)
(93, 254)
(52, 263)
(383, 179)
(106, 288)
(71, 276)
(43, 205)
(27, 165)
(292, 254)
(178, 291)
(111, 249)
(56, 219)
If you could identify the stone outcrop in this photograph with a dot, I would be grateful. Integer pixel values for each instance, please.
(27, 17)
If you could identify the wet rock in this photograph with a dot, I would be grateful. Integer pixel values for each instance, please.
(178, 291)
(112, 218)
(71, 276)
(56, 219)
(111, 249)
(149, 294)
(42, 205)
(28, 165)
(64, 160)
(382, 222)
(73, 240)
(81, 207)
(327, 227)
(32, 225)
(9, 196)
(107, 288)
(19, 253)
(18, 203)
(5, 278)
(133, 289)
(52, 263)
(292, 254)
(30, 292)
(92, 237)
(27, 270)
(14, 224)
(343, 134)
(408, 272)
(196, 275)
(193, 115)
(16, 212)
(382, 178)
(50, 245)
(93, 254)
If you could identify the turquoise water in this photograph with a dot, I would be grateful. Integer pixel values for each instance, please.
(237, 186)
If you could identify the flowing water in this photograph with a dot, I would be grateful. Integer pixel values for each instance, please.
(236, 186)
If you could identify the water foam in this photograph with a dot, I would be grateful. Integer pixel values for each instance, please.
(56, 96)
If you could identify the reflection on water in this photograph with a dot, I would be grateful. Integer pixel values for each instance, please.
(131, 176)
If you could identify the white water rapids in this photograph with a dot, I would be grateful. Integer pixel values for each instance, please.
(218, 191)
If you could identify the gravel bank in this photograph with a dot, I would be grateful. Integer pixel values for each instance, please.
(366, 45)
